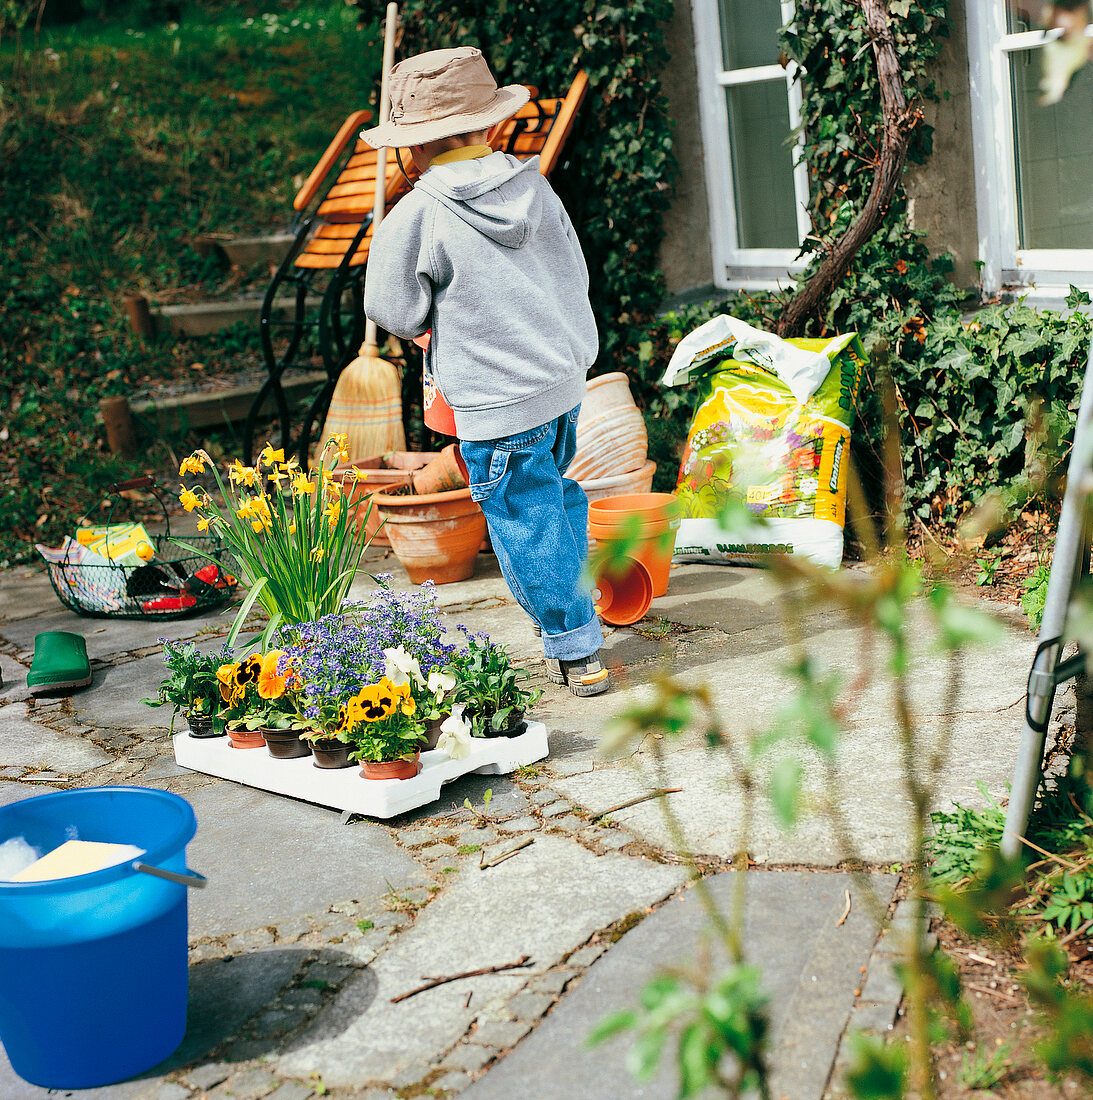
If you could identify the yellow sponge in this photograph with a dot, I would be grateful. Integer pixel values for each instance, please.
(77, 857)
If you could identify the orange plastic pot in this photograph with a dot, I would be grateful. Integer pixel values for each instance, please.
(247, 739)
(391, 769)
(623, 595)
(651, 518)
(435, 537)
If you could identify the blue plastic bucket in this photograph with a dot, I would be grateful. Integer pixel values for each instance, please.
(93, 969)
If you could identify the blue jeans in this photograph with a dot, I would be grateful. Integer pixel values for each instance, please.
(538, 523)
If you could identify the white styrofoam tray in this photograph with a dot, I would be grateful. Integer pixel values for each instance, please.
(344, 788)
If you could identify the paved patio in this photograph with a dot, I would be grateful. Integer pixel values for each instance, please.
(309, 927)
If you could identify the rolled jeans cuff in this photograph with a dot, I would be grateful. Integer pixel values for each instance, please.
(574, 644)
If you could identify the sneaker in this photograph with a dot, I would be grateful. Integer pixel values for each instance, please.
(585, 676)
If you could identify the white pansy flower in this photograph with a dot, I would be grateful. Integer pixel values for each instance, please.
(400, 667)
(455, 735)
(440, 682)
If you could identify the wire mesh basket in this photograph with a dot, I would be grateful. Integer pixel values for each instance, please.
(172, 583)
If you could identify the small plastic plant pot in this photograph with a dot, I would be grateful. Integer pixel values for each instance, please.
(391, 769)
(624, 594)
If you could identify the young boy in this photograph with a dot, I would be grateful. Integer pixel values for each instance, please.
(482, 253)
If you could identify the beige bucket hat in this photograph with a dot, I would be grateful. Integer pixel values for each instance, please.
(442, 93)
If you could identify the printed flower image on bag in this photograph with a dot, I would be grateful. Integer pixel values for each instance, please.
(773, 430)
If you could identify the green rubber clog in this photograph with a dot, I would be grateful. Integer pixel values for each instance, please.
(60, 663)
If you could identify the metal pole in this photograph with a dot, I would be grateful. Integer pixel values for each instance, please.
(1065, 566)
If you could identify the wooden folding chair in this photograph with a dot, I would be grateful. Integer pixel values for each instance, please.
(325, 266)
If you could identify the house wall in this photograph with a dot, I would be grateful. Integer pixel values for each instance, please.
(685, 254)
(942, 191)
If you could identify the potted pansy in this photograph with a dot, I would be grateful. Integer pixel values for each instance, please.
(488, 688)
(192, 687)
(259, 693)
(385, 730)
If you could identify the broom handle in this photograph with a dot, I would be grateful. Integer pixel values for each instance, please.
(381, 154)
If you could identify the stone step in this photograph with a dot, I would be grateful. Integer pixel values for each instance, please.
(245, 251)
(204, 409)
(203, 318)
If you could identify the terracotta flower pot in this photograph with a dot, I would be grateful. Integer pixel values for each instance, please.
(359, 492)
(247, 739)
(286, 744)
(392, 769)
(436, 537)
(636, 481)
(611, 435)
(446, 472)
(330, 753)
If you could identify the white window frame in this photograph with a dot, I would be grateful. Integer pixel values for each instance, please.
(1044, 274)
(736, 267)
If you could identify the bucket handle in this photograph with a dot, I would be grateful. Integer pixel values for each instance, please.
(191, 878)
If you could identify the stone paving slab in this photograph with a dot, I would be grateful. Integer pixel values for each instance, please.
(29, 743)
(810, 966)
(268, 858)
(543, 902)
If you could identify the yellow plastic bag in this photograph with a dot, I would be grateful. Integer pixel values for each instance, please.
(786, 458)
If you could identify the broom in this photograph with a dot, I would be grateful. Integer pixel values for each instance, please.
(367, 401)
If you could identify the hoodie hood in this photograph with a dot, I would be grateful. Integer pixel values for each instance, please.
(493, 195)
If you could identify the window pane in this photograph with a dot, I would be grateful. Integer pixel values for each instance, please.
(749, 32)
(762, 162)
(1054, 155)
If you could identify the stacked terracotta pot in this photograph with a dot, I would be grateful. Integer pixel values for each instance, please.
(612, 444)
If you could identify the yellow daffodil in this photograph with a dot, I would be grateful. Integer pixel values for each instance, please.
(259, 525)
(291, 466)
(301, 484)
(332, 511)
(341, 442)
(269, 456)
(202, 524)
(195, 464)
(318, 553)
(189, 499)
(239, 474)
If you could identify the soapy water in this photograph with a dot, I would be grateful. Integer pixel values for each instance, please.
(16, 855)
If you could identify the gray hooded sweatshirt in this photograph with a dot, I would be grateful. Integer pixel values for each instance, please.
(483, 253)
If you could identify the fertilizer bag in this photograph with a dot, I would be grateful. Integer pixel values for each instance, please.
(772, 429)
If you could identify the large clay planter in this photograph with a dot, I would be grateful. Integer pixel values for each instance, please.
(286, 744)
(436, 537)
(657, 521)
(247, 739)
(611, 435)
(359, 491)
(636, 481)
(391, 769)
